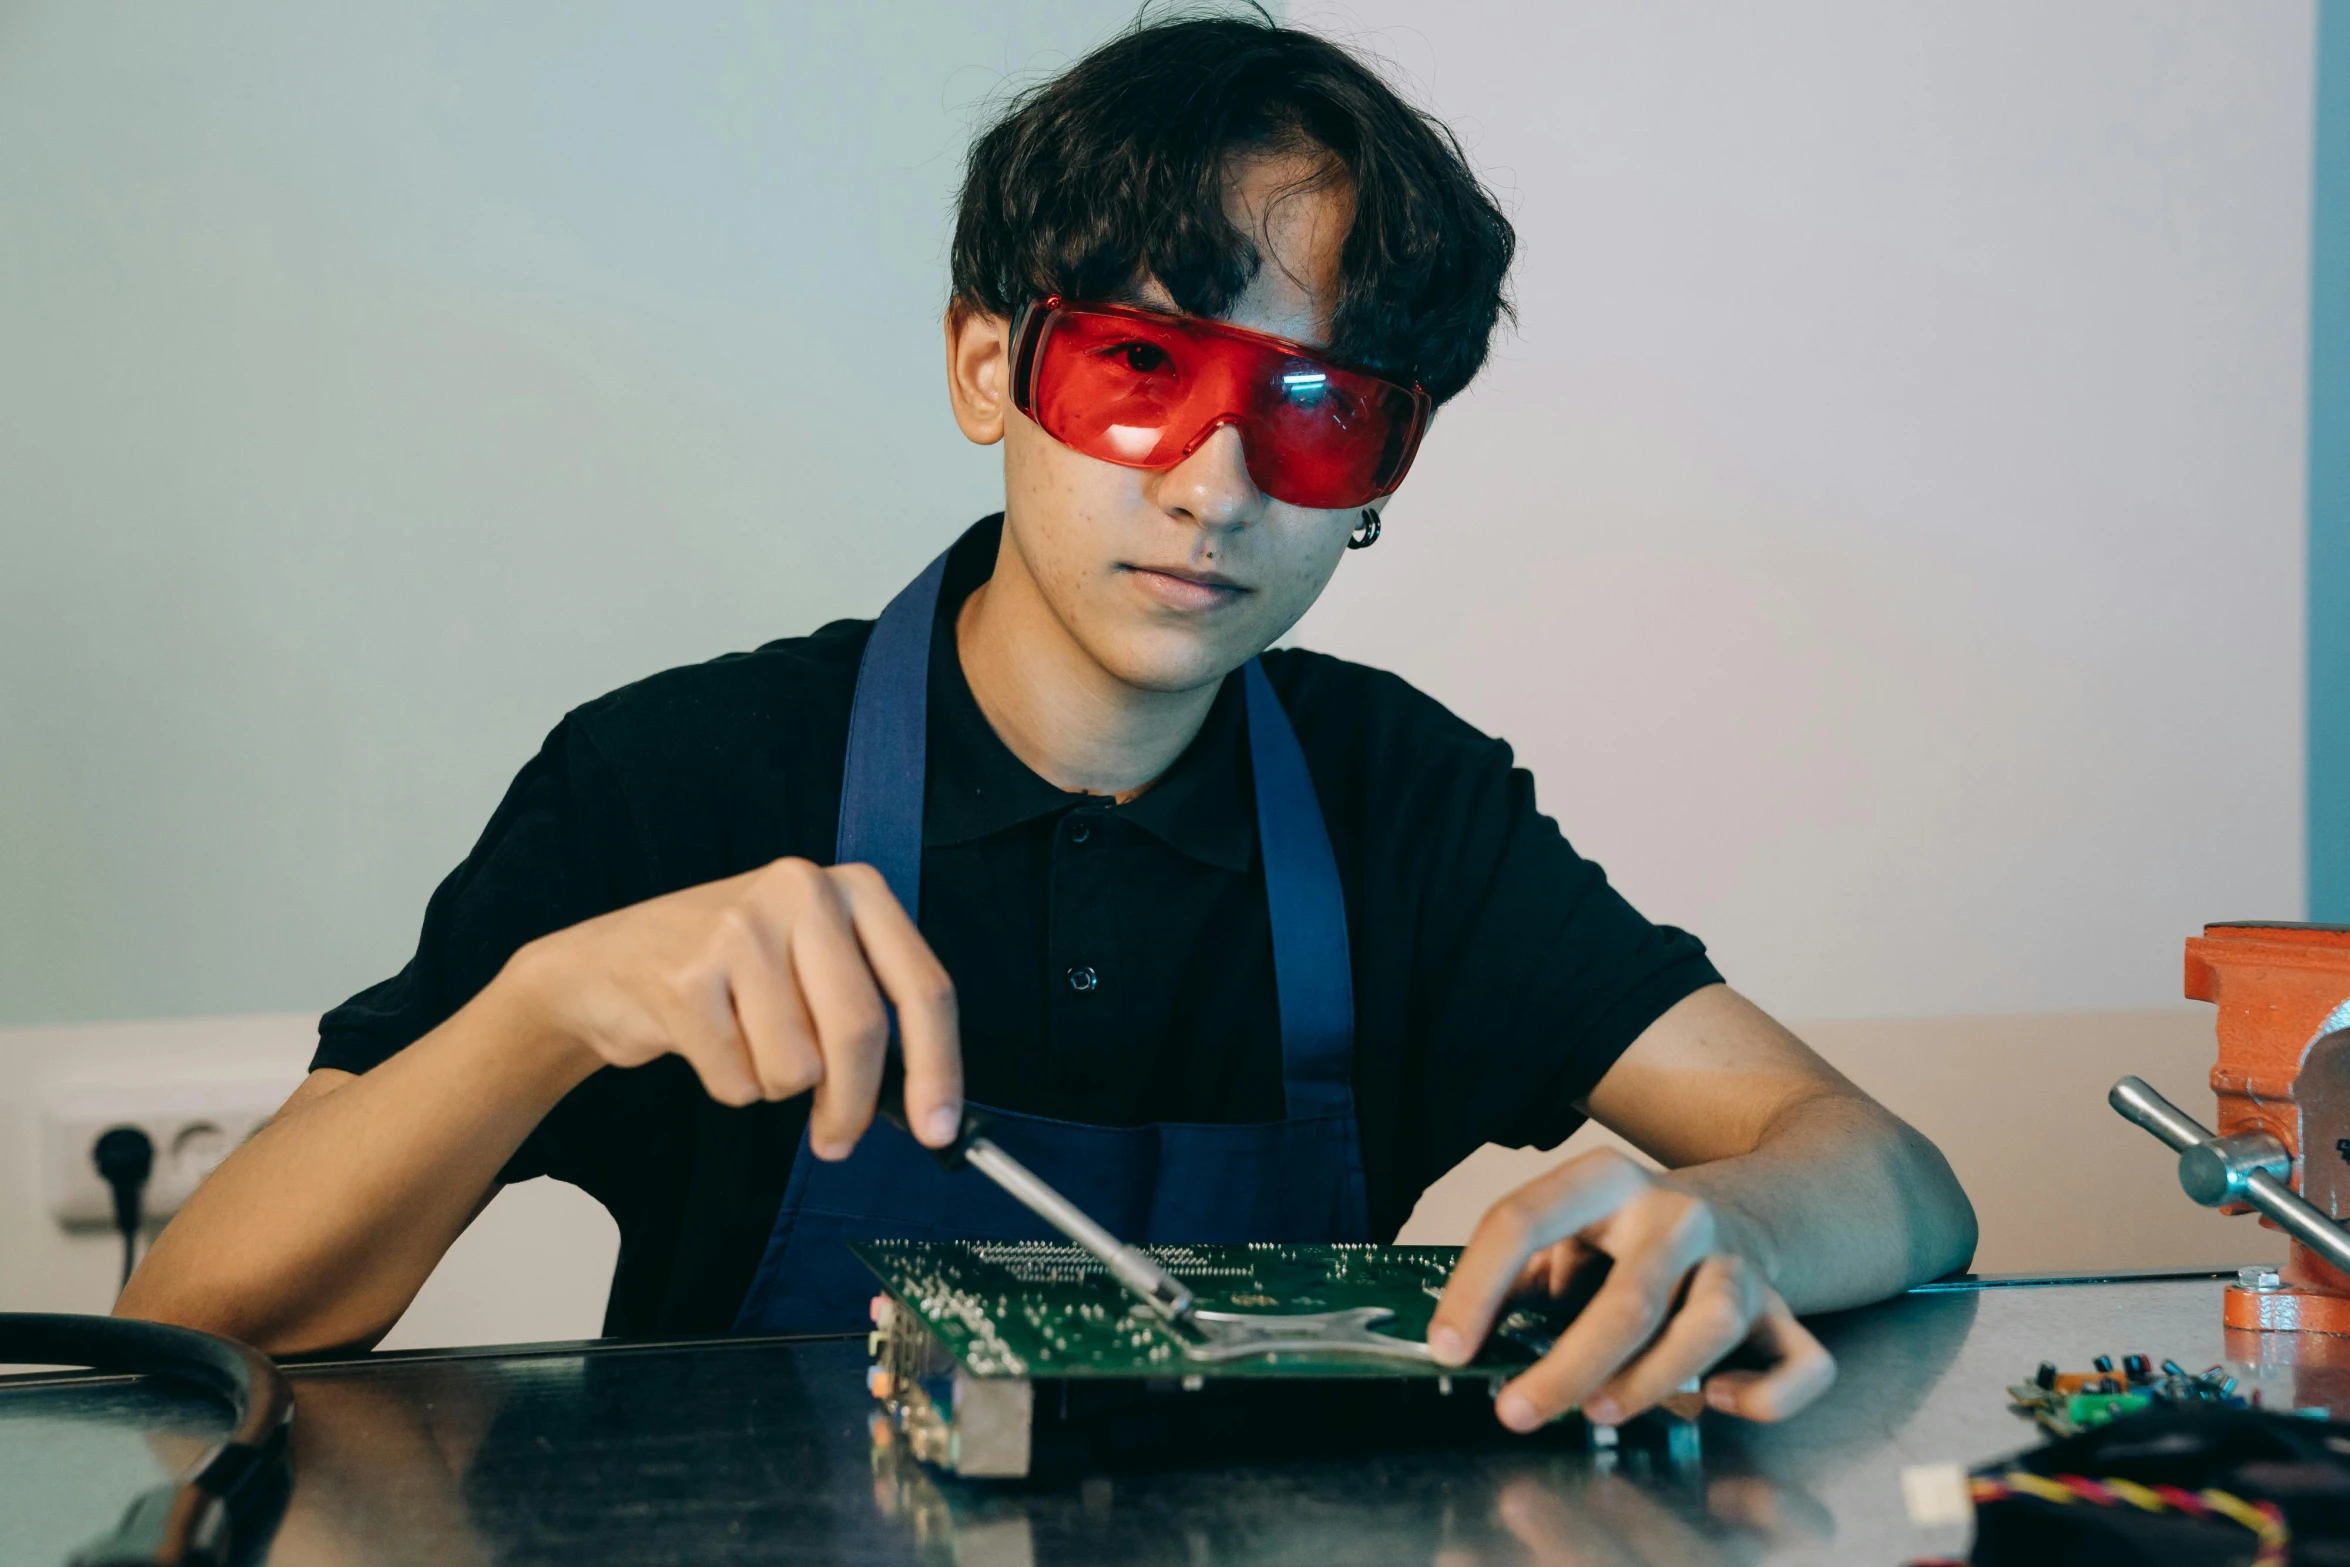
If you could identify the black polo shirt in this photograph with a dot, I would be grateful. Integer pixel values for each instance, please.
(1112, 963)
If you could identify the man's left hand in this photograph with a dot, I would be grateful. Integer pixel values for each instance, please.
(1688, 1285)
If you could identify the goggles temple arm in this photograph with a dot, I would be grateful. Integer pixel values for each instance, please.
(1027, 332)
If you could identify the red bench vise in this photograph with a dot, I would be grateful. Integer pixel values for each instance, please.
(2283, 1082)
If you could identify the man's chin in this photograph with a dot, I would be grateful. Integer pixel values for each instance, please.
(1169, 666)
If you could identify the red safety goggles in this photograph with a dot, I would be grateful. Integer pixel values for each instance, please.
(1143, 389)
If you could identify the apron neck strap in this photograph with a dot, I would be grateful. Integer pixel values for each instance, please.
(1312, 972)
(889, 728)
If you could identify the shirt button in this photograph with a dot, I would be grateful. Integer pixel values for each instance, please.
(1079, 832)
(1083, 979)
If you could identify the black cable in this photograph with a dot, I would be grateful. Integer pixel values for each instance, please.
(223, 1509)
(125, 1157)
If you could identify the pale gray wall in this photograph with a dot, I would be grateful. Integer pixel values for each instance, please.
(377, 382)
(1883, 538)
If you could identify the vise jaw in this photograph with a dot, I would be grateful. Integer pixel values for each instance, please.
(2283, 993)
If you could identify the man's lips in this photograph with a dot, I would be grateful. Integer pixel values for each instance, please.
(1185, 587)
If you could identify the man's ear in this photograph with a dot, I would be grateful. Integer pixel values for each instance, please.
(979, 371)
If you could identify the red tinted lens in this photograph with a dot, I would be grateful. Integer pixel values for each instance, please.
(1143, 390)
(1122, 387)
(1325, 437)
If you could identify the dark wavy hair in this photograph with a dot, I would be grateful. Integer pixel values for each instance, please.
(1117, 169)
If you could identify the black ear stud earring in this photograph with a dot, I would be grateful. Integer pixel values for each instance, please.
(1367, 534)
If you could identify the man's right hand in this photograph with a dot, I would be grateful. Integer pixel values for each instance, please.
(319, 1230)
(770, 984)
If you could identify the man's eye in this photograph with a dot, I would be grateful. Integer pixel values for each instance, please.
(1143, 358)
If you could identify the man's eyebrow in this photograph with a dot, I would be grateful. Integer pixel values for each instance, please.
(1136, 292)
(1137, 295)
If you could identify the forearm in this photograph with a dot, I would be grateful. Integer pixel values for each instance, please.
(319, 1230)
(1841, 1202)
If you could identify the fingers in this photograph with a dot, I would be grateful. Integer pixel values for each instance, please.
(1802, 1370)
(1541, 1213)
(828, 965)
(1716, 1314)
(783, 984)
(1675, 1301)
(929, 1033)
(769, 1011)
(1551, 1271)
(696, 1018)
(1655, 1241)
(1726, 1306)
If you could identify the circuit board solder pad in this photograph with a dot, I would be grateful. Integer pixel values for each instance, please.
(1046, 1310)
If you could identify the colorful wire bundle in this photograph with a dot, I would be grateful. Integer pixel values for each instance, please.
(2262, 1518)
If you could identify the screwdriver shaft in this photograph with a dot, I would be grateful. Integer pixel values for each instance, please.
(1155, 1285)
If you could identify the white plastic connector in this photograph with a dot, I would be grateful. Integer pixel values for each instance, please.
(1937, 1495)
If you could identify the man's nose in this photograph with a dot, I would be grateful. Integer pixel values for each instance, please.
(1212, 486)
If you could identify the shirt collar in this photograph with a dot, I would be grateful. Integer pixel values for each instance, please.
(1202, 806)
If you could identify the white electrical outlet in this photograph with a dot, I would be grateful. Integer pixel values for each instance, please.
(194, 1125)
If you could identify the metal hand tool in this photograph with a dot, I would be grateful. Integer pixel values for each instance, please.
(2249, 1167)
(1154, 1285)
(1158, 1289)
(1210, 1336)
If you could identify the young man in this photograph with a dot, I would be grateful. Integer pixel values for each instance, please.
(1231, 947)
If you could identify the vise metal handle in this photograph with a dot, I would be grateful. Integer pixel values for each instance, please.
(2247, 1167)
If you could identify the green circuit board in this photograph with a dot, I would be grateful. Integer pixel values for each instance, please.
(1044, 1309)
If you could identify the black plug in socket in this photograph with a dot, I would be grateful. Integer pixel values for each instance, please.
(125, 1157)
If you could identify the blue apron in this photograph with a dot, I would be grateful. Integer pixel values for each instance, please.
(1297, 1179)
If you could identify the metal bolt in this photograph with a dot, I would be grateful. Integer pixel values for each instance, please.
(2258, 1279)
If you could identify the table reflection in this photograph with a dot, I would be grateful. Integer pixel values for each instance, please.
(1652, 1501)
(775, 1453)
(380, 1466)
(1669, 1492)
(768, 1452)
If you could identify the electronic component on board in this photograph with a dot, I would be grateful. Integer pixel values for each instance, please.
(983, 1349)
(2066, 1403)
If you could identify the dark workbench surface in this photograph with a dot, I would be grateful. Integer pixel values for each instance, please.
(757, 1451)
